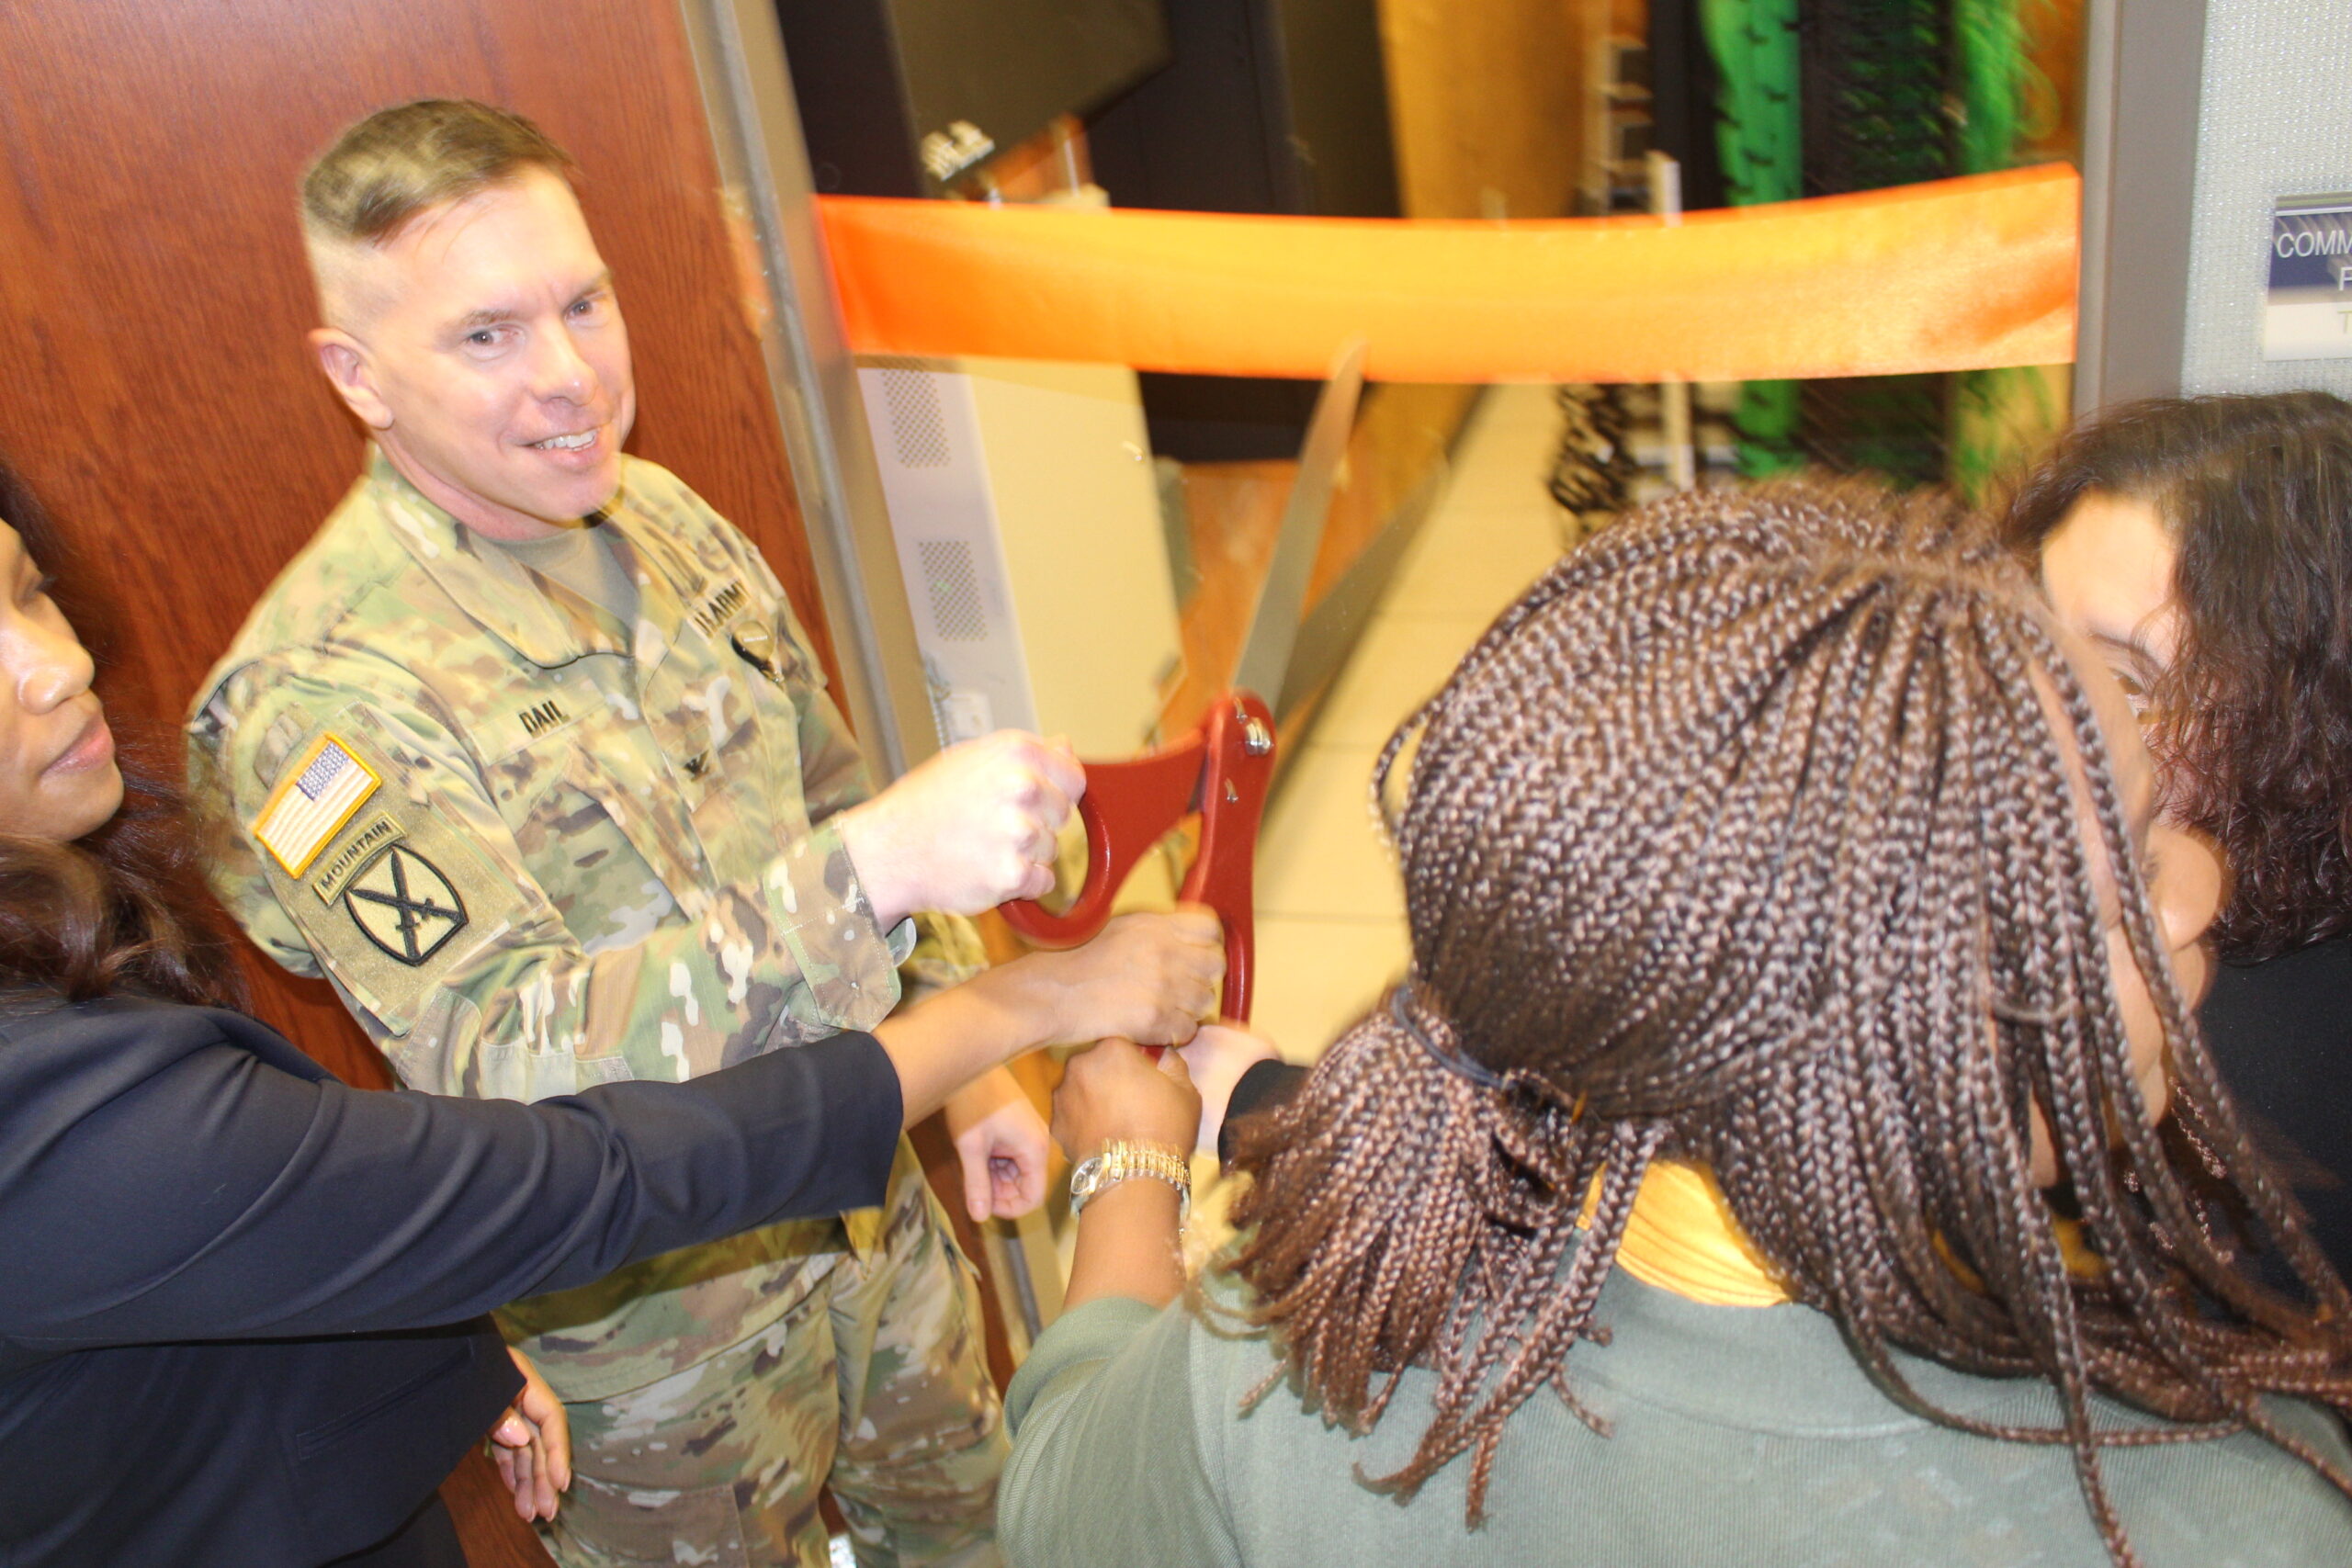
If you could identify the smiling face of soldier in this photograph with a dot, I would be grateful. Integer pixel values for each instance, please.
(483, 346)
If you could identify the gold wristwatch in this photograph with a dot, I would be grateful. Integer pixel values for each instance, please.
(1121, 1159)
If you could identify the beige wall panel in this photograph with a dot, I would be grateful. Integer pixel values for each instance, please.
(1483, 94)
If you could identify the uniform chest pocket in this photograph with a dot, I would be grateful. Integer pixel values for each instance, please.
(728, 735)
(706, 726)
(609, 843)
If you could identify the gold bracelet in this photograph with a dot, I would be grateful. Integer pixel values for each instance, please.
(1121, 1159)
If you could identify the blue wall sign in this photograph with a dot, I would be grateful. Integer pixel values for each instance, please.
(2308, 314)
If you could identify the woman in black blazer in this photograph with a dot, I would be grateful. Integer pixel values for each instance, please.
(240, 1302)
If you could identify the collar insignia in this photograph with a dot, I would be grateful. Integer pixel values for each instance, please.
(754, 642)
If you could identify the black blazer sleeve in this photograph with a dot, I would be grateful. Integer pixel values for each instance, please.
(176, 1173)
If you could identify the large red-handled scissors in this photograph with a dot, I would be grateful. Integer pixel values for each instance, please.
(1223, 768)
(1220, 770)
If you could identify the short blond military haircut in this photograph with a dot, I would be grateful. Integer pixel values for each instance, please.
(400, 163)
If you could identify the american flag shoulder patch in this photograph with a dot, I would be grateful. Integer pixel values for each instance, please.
(312, 801)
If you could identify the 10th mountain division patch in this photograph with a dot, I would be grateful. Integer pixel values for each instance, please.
(403, 904)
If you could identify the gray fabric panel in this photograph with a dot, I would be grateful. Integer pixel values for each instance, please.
(2278, 121)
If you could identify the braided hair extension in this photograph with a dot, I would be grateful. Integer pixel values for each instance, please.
(1749, 836)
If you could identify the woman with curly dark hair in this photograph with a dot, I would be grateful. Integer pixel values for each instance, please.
(241, 1303)
(1792, 1145)
(2205, 546)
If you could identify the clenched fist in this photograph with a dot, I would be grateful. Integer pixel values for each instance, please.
(971, 828)
(1114, 1091)
(1001, 1141)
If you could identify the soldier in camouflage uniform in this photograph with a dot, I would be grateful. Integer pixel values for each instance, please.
(554, 806)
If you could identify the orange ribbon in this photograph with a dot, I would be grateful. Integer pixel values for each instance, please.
(1958, 275)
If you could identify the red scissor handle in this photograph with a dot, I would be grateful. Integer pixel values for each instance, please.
(1221, 770)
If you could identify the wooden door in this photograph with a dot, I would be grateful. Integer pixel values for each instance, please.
(154, 387)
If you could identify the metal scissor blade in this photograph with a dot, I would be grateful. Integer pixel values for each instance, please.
(1273, 628)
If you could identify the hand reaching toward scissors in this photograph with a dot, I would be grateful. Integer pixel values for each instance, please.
(1126, 1243)
(1216, 1060)
(968, 829)
(1146, 977)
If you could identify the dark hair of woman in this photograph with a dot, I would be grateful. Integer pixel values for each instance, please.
(122, 911)
(1746, 838)
(2251, 724)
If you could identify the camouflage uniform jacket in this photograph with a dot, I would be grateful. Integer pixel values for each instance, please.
(535, 849)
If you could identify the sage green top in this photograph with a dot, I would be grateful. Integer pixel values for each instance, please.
(1742, 1436)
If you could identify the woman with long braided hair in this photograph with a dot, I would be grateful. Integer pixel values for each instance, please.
(1768, 1161)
